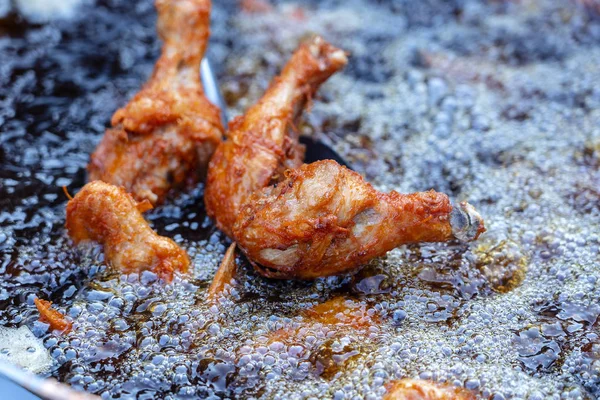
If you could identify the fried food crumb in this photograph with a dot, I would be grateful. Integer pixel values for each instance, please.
(224, 275)
(57, 321)
(164, 137)
(325, 219)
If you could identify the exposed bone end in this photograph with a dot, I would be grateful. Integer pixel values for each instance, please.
(328, 55)
(466, 222)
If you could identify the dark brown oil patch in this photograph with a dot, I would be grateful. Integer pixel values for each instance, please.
(330, 358)
(504, 265)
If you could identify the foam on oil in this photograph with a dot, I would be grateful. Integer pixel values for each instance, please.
(495, 102)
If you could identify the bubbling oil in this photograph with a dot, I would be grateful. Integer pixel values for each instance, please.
(492, 102)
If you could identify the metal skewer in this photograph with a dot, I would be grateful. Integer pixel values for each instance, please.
(315, 149)
(47, 389)
(211, 88)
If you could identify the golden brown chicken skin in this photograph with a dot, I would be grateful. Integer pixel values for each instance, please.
(261, 145)
(419, 389)
(324, 219)
(108, 215)
(164, 138)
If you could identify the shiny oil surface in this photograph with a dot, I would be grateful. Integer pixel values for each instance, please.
(496, 102)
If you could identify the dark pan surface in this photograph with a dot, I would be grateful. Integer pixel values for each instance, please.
(497, 102)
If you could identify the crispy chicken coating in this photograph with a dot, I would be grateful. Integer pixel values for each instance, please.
(107, 214)
(324, 219)
(55, 319)
(261, 145)
(165, 136)
(418, 389)
(327, 323)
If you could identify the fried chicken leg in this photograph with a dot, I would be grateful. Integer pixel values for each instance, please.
(261, 145)
(107, 214)
(324, 219)
(165, 136)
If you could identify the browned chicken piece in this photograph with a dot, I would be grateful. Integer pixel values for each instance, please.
(341, 311)
(337, 313)
(224, 275)
(55, 319)
(324, 219)
(418, 389)
(261, 145)
(107, 214)
(164, 138)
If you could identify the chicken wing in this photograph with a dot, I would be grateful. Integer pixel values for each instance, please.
(261, 145)
(324, 219)
(165, 136)
(107, 214)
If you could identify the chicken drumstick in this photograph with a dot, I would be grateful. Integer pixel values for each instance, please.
(324, 219)
(261, 145)
(165, 136)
